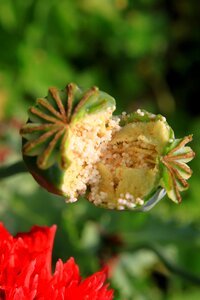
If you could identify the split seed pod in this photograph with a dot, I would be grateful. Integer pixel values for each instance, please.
(141, 163)
(72, 145)
(63, 136)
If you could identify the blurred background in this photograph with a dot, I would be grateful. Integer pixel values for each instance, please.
(145, 53)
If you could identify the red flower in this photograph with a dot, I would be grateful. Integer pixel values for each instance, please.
(25, 270)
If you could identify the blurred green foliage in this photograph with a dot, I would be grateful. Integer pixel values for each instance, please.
(144, 53)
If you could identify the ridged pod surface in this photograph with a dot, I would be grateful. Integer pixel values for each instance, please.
(73, 145)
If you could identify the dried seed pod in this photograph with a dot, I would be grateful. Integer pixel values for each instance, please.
(142, 157)
(64, 135)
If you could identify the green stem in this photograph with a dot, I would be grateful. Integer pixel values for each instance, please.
(168, 264)
(16, 168)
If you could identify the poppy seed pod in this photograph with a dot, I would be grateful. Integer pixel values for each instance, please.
(64, 135)
(141, 162)
(73, 145)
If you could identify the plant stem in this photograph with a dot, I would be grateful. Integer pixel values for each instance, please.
(168, 264)
(16, 168)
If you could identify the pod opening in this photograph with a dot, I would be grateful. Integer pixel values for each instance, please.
(128, 169)
(87, 139)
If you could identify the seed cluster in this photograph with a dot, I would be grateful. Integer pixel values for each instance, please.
(135, 154)
(126, 201)
(88, 139)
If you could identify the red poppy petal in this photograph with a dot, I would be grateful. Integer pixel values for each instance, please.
(39, 242)
(25, 270)
(4, 234)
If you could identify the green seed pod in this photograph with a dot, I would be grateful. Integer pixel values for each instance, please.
(64, 136)
(141, 162)
(72, 145)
